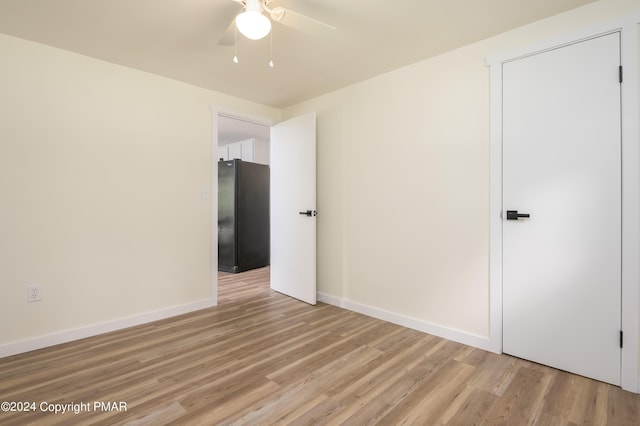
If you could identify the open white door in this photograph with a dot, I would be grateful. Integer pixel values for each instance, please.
(293, 207)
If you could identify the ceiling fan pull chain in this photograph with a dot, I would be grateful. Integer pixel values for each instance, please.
(271, 65)
(235, 46)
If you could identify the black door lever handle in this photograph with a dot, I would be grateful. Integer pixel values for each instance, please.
(514, 215)
(309, 213)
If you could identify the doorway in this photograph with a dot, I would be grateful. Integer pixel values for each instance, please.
(292, 204)
(243, 195)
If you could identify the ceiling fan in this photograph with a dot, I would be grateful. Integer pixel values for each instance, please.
(253, 24)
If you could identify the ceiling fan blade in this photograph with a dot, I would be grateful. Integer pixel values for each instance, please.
(228, 36)
(300, 22)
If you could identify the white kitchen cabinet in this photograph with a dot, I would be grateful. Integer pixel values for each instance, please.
(223, 152)
(235, 151)
(246, 150)
(251, 150)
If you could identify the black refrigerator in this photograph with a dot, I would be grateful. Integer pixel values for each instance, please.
(243, 215)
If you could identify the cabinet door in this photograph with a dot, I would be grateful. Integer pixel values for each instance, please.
(223, 152)
(235, 151)
(261, 151)
(246, 148)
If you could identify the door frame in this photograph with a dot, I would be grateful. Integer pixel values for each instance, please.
(630, 303)
(216, 111)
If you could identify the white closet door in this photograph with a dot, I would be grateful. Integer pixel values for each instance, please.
(562, 166)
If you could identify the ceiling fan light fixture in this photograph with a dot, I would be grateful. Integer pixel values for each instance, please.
(253, 24)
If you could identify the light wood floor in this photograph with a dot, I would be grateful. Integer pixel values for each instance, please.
(261, 358)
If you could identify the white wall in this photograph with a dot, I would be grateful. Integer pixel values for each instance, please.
(403, 182)
(101, 173)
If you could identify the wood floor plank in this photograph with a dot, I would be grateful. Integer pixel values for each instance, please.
(261, 358)
(473, 411)
(160, 416)
(520, 403)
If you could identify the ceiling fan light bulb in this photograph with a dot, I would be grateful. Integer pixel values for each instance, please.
(253, 24)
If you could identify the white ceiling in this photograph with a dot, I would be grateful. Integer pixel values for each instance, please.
(179, 38)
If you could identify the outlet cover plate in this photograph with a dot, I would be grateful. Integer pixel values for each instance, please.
(33, 293)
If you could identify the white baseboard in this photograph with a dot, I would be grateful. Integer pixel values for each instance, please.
(329, 300)
(480, 342)
(64, 336)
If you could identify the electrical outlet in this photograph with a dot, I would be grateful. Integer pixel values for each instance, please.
(33, 293)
